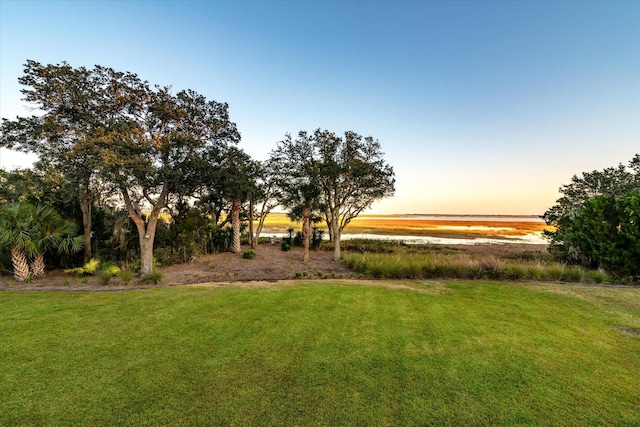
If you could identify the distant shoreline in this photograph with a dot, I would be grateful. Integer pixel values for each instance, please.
(453, 215)
(465, 229)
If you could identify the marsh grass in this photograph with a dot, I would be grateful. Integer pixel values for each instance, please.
(413, 264)
(400, 352)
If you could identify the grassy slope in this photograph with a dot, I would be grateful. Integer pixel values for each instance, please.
(326, 354)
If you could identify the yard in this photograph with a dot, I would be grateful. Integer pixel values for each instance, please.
(323, 352)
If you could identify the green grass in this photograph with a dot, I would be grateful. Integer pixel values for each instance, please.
(323, 353)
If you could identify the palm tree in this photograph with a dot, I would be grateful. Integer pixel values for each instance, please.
(52, 232)
(303, 200)
(16, 231)
(32, 230)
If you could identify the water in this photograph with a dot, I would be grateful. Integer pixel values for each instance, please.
(535, 239)
(532, 239)
(488, 218)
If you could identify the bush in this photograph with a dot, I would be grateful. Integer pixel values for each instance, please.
(285, 246)
(109, 268)
(105, 278)
(596, 276)
(154, 277)
(91, 268)
(316, 237)
(126, 276)
(249, 254)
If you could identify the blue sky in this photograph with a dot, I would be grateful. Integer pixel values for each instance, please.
(481, 107)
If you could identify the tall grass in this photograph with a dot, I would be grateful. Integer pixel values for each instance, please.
(436, 265)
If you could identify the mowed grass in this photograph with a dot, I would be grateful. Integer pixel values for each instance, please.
(323, 353)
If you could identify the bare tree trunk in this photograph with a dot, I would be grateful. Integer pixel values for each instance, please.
(263, 216)
(235, 222)
(335, 231)
(329, 226)
(306, 232)
(85, 207)
(252, 240)
(146, 231)
(20, 264)
(146, 236)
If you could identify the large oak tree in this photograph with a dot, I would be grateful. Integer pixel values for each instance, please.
(75, 107)
(102, 126)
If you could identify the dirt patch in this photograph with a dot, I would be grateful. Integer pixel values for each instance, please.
(270, 264)
(629, 331)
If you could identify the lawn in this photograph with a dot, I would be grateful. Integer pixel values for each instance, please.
(323, 353)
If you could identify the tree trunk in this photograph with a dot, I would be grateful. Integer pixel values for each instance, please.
(37, 267)
(146, 252)
(335, 231)
(252, 240)
(20, 264)
(146, 231)
(235, 222)
(263, 216)
(306, 232)
(85, 206)
(329, 225)
(146, 236)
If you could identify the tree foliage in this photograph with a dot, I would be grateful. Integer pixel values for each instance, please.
(597, 220)
(110, 144)
(100, 126)
(300, 191)
(74, 115)
(348, 172)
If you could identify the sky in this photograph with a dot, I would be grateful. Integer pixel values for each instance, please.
(481, 107)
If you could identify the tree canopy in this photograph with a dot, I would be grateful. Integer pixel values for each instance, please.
(349, 173)
(115, 152)
(597, 220)
(100, 125)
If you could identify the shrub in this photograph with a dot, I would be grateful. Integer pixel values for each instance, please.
(104, 278)
(249, 254)
(109, 268)
(316, 237)
(572, 274)
(596, 276)
(154, 277)
(91, 267)
(555, 272)
(285, 246)
(515, 272)
(126, 276)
